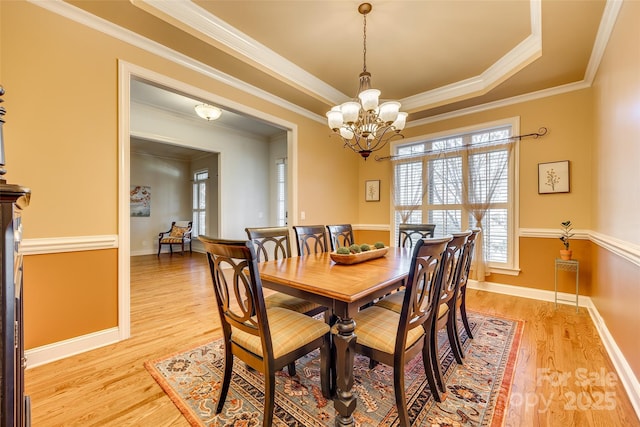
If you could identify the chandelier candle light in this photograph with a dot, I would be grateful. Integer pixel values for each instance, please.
(363, 125)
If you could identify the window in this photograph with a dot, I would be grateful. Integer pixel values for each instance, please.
(200, 179)
(281, 192)
(456, 179)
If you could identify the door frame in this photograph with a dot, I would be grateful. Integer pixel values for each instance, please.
(127, 71)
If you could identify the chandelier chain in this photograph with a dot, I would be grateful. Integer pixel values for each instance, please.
(364, 43)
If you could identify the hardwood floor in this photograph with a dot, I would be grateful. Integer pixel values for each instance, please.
(558, 381)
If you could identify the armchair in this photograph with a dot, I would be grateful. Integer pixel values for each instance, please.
(178, 234)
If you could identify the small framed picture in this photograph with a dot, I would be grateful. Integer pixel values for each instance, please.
(372, 190)
(553, 177)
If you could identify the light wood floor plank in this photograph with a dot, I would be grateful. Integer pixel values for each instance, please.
(172, 309)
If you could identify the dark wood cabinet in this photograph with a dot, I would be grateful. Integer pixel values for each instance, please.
(15, 410)
(14, 406)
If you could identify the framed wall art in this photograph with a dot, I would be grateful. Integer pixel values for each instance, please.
(553, 177)
(372, 190)
(140, 200)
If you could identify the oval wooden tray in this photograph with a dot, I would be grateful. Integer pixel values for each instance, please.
(357, 258)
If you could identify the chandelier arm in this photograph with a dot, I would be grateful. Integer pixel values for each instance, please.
(381, 140)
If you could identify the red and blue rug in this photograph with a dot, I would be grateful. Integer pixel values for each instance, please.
(477, 392)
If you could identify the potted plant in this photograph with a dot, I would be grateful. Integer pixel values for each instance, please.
(566, 229)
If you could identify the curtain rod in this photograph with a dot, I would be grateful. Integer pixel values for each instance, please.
(541, 132)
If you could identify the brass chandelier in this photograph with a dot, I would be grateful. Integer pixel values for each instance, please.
(363, 125)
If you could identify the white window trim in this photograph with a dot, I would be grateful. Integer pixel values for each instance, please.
(282, 161)
(195, 182)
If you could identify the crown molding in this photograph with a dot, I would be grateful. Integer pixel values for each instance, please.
(523, 54)
(608, 21)
(545, 93)
(240, 45)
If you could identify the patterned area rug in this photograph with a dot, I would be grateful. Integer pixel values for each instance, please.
(477, 392)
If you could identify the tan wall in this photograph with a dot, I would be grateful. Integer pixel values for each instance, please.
(85, 301)
(537, 257)
(616, 294)
(616, 281)
(372, 236)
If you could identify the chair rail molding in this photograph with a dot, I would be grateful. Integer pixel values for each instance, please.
(621, 248)
(52, 245)
(372, 227)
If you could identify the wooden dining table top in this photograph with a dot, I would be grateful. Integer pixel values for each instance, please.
(318, 274)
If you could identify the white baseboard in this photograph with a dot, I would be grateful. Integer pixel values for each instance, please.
(624, 371)
(143, 252)
(59, 350)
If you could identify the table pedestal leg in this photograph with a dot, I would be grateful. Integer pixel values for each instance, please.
(344, 402)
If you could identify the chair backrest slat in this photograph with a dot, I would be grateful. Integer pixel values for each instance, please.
(452, 265)
(340, 235)
(311, 239)
(272, 243)
(422, 286)
(409, 233)
(469, 248)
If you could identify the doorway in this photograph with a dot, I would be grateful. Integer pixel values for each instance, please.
(231, 157)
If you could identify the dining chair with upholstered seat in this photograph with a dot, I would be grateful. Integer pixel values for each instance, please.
(273, 243)
(396, 338)
(266, 339)
(178, 234)
(340, 235)
(461, 295)
(409, 233)
(311, 239)
(451, 267)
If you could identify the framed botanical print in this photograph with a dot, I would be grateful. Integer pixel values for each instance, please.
(372, 190)
(553, 177)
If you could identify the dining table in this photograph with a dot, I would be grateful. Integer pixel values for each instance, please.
(344, 289)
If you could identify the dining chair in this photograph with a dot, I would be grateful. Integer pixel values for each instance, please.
(272, 243)
(266, 339)
(409, 233)
(311, 239)
(340, 235)
(396, 338)
(461, 295)
(451, 267)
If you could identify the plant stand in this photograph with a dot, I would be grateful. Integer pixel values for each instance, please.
(567, 265)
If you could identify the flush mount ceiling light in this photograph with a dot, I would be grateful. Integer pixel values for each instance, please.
(363, 125)
(208, 112)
